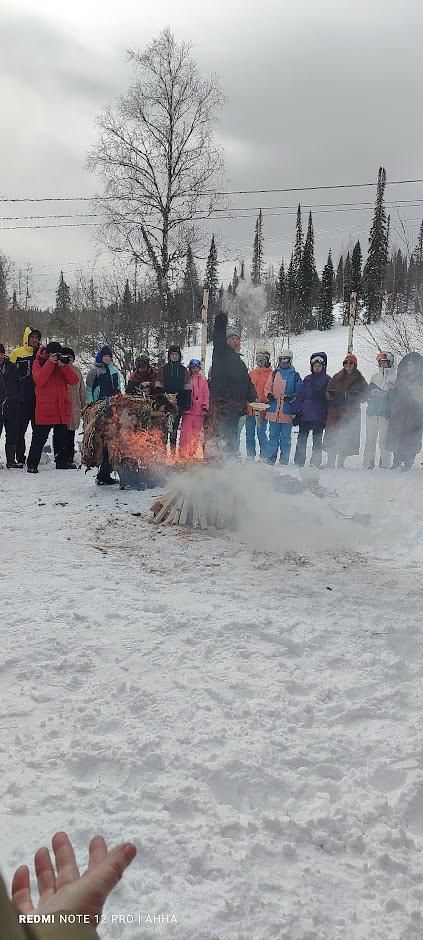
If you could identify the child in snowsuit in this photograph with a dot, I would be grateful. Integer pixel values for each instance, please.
(256, 422)
(381, 384)
(311, 409)
(282, 388)
(193, 420)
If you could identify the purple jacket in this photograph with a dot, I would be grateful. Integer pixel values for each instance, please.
(311, 405)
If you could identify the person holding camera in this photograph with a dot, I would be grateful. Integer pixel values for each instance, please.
(52, 375)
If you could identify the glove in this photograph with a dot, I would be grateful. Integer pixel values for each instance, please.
(271, 398)
(204, 409)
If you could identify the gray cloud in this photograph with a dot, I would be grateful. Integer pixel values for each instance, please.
(318, 93)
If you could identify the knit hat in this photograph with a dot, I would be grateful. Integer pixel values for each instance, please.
(104, 351)
(53, 347)
(319, 357)
(142, 359)
(350, 357)
(67, 351)
(233, 331)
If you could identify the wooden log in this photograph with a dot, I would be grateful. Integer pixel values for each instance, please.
(195, 519)
(177, 511)
(170, 499)
(184, 511)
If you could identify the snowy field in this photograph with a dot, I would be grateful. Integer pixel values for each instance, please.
(246, 706)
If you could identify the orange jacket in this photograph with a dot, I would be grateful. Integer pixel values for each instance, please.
(259, 377)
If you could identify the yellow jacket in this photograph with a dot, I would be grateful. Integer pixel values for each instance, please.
(11, 929)
(24, 351)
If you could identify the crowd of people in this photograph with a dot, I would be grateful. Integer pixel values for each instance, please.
(43, 386)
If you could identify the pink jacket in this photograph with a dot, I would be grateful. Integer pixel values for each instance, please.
(200, 395)
(276, 386)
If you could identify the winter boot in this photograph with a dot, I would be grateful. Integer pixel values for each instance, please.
(11, 463)
(106, 481)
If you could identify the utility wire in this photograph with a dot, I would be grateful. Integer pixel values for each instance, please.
(234, 192)
(317, 207)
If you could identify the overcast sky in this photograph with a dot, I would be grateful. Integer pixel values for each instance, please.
(319, 92)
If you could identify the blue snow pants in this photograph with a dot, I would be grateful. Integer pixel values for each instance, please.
(279, 438)
(251, 425)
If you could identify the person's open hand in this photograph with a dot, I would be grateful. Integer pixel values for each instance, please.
(65, 889)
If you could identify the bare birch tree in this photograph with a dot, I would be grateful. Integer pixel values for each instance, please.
(157, 156)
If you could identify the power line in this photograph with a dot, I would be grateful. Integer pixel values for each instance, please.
(234, 192)
(317, 207)
(196, 218)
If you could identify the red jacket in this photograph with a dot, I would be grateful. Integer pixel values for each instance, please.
(52, 399)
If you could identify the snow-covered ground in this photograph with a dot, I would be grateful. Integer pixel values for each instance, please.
(246, 706)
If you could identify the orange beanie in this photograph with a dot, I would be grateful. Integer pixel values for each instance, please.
(350, 357)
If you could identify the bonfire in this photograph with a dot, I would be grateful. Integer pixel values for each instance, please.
(132, 429)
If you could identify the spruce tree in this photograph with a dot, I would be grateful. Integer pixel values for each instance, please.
(326, 295)
(290, 302)
(298, 247)
(127, 300)
(191, 288)
(307, 280)
(347, 289)
(62, 312)
(339, 281)
(356, 275)
(4, 296)
(235, 282)
(418, 272)
(211, 282)
(242, 271)
(258, 259)
(280, 300)
(375, 268)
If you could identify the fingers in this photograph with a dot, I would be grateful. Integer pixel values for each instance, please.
(67, 869)
(46, 878)
(110, 870)
(97, 851)
(21, 894)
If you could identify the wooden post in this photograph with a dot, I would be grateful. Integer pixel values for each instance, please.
(352, 320)
(204, 315)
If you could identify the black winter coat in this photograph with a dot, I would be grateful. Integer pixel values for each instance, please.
(175, 379)
(9, 390)
(229, 378)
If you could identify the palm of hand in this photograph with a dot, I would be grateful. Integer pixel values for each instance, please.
(68, 890)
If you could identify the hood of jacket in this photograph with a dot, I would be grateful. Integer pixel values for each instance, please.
(323, 356)
(174, 348)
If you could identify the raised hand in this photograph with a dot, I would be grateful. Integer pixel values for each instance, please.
(66, 889)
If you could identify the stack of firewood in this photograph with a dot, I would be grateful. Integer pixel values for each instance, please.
(196, 504)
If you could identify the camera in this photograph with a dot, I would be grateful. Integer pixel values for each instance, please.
(64, 359)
